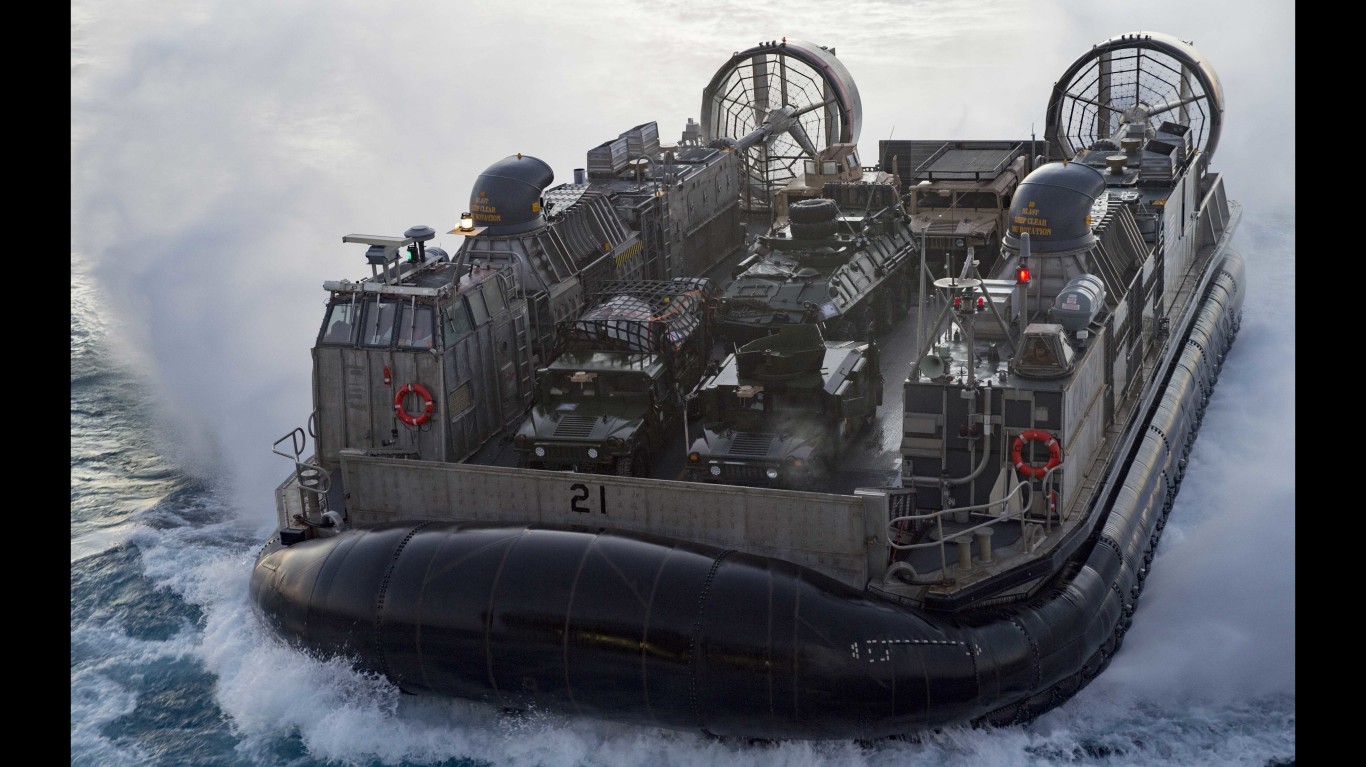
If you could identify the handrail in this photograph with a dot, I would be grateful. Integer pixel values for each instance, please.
(308, 477)
(300, 442)
(938, 516)
(1020, 517)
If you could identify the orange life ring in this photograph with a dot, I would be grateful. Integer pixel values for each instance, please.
(1029, 469)
(404, 414)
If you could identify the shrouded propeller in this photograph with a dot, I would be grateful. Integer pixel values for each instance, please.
(1129, 85)
(781, 103)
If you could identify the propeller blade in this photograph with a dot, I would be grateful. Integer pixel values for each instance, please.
(760, 68)
(813, 107)
(1092, 102)
(1170, 105)
(798, 134)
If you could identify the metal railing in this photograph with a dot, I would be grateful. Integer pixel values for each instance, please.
(311, 481)
(1033, 529)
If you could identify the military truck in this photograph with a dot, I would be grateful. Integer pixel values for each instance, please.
(620, 380)
(833, 164)
(782, 407)
(959, 194)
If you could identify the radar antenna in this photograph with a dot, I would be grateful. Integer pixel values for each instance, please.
(780, 102)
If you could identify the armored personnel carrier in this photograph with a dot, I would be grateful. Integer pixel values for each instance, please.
(844, 260)
(618, 386)
(781, 407)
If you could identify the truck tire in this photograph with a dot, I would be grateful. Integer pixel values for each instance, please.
(812, 209)
(633, 465)
(812, 230)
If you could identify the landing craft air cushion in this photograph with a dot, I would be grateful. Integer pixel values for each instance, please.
(1047, 407)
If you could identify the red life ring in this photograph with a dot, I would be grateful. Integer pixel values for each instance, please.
(1029, 469)
(404, 414)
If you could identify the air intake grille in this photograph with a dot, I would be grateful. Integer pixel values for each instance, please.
(575, 427)
(751, 445)
(744, 473)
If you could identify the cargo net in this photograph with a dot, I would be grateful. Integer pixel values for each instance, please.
(645, 316)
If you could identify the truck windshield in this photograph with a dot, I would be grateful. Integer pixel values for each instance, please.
(573, 385)
(755, 403)
(772, 404)
(985, 200)
(625, 386)
(933, 198)
(585, 385)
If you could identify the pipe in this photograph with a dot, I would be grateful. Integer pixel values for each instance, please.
(972, 451)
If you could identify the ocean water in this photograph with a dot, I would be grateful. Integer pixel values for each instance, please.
(221, 149)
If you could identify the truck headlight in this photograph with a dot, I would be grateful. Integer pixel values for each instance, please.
(772, 473)
(715, 470)
(539, 451)
(593, 453)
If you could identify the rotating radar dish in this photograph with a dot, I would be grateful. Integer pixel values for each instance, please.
(781, 103)
(1132, 86)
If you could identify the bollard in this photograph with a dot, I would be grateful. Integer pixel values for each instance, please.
(983, 537)
(964, 552)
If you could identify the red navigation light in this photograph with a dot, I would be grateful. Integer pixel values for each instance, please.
(1022, 274)
(981, 303)
(958, 302)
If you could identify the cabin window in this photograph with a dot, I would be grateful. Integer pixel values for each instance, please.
(455, 323)
(811, 167)
(415, 328)
(829, 168)
(477, 308)
(494, 298)
(340, 326)
(377, 325)
(1038, 352)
